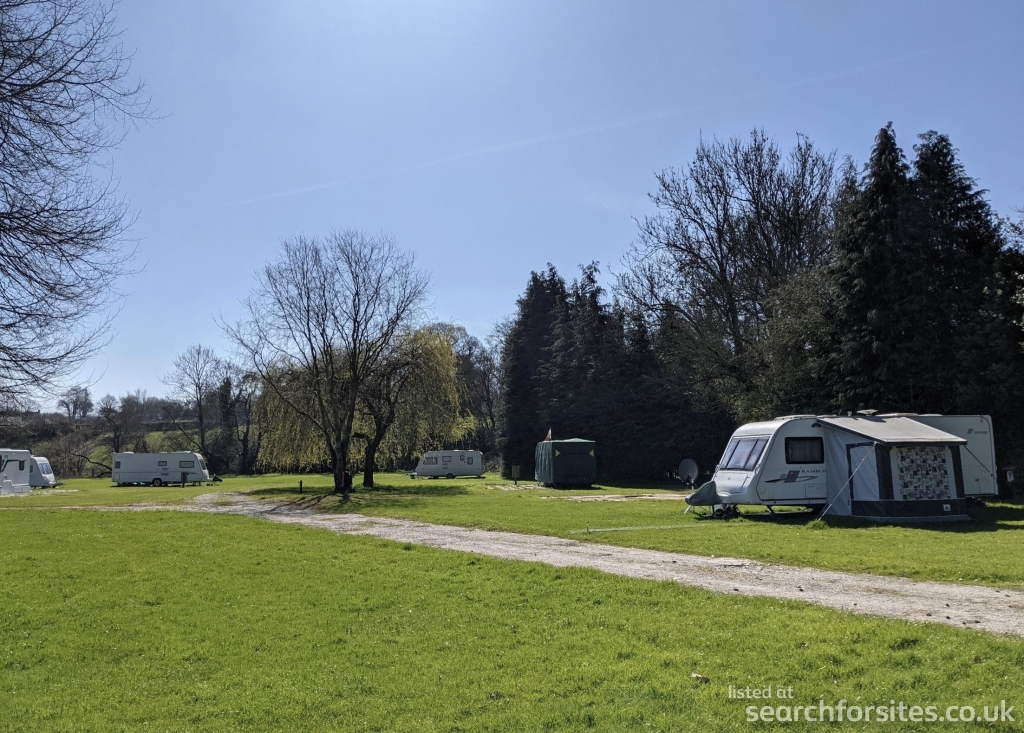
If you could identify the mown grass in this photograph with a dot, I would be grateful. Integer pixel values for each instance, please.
(985, 551)
(162, 621)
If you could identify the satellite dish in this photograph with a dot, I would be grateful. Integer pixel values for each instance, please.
(688, 471)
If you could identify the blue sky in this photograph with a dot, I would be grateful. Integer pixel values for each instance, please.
(493, 137)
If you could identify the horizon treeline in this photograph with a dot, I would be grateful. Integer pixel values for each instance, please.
(770, 283)
(766, 282)
(443, 395)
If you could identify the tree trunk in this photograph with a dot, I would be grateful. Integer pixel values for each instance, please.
(340, 464)
(371, 454)
(244, 459)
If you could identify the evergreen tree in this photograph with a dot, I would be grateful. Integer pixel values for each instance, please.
(926, 318)
(972, 332)
(877, 276)
(589, 369)
(523, 413)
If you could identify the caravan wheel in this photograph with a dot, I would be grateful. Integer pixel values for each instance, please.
(157, 482)
(450, 475)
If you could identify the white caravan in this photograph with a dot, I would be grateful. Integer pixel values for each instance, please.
(450, 463)
(778, 462)
(40, 473)
(158, 469)
(14, 471)
(886, 467)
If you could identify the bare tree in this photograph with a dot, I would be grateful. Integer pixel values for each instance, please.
(76, 402)
(249, 427)
(109, 410)
(320, 321)
(730, 230)
(124, 419)
(65, 100)
(197, 373)
(67, 453)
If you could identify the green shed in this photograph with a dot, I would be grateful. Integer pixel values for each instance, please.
(570, 462)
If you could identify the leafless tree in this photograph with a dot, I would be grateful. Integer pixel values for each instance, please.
(124, 419)
(249, 428)
(320, 321)
(67, 453)
(76, 402)
(65, 101)
(196, 374)
(731, 228)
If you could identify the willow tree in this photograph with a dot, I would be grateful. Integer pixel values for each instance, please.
(421, 371)
(289, 442)
(323, 316)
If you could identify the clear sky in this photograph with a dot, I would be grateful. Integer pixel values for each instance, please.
(493, 137)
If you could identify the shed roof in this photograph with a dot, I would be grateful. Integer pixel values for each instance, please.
(891, 430)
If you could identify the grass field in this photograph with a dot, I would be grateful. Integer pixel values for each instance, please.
(985, 551)
(120, 621)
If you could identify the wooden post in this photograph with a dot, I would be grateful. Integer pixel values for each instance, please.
(515, 474)
(300, 486)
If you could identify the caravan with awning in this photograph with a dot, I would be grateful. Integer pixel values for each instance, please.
(881, 467)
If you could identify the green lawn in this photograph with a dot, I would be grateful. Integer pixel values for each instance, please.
(114, 621)
(987, 551)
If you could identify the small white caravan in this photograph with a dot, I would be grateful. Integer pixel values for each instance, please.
(14, 471)
(40, 473)
(882, 467)
(157, 469)
(449, 463)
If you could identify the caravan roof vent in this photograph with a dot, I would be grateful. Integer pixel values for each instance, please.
(867, 413)
(791, 417)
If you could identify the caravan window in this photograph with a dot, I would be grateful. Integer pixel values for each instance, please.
(161, 463)
(186, 464)
(743, 454)
(469, 460)
(805, 450)
(44, 467)
(117, 464)
(446, 459)
(431, 461)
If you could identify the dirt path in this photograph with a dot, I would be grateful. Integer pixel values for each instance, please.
(977, 607)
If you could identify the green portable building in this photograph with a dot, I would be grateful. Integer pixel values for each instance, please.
(570, 462)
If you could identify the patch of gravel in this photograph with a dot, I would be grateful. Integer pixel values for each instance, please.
(976, 607)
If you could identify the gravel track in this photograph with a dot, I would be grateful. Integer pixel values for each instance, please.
(978, 607)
